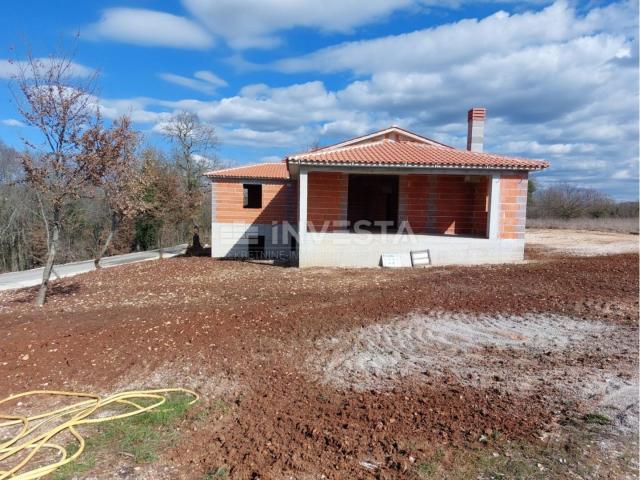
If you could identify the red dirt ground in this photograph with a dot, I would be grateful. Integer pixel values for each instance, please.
(252, 327)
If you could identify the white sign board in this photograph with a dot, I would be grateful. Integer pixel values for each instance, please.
(396, 260)
(420, 258)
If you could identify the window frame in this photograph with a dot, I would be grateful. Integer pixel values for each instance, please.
(247, 196)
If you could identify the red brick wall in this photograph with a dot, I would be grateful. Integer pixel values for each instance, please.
(444, 204)
(413, 191)
(480, 215)
(456, 206)
(513, 205)
(278, 203)
(326, 199)
(440, 204)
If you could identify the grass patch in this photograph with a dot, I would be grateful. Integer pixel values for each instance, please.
(140, 437)
(429, 467)
(575, 452)
(426, 469)
(623, 225)
(218, 473)
(597, 419)
(221, 406)
(501, 466)
(85, 462)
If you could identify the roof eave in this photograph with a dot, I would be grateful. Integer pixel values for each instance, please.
(248, 177)
(416, 165)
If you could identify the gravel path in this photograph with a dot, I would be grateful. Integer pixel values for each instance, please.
(581, 242)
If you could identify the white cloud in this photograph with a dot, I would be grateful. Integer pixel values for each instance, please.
(622, 175)
(212, 78)
(12, 122)
(551, 149)
(346, 127)
(252, 23)
(558, 85)
(265, 108)
(149, 28)
(10, 68)
(537, 83)
(431, 49)
(255, 23)
(260, 138)
(135, 108)
(293, 117)
(203, 81)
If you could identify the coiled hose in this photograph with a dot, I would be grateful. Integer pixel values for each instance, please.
(38, 432)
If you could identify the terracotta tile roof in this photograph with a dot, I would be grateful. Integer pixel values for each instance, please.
(262, 171)
(413, 154)
(384, 133)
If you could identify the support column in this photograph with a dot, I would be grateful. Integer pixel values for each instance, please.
(302, 209)
(213, 217)
(493, 220)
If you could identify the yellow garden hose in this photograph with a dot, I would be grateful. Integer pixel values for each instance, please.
(37, 432)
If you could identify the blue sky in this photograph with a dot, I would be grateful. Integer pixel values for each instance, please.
(559, 80)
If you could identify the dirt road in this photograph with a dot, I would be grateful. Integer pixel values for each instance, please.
(339, 373)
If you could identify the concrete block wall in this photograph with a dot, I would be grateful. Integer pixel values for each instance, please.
(327, 200)
(366, 250)
(232, 239)
(513, 205)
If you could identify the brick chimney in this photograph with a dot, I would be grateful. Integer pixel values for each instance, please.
(475, 129)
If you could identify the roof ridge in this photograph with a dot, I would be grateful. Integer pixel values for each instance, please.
(404, 131)
(346, 148)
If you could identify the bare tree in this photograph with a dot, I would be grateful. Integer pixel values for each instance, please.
(19, 212)
(313, 146)
(116, 175)
(567, 201)
(195, 143)
(62, 108)
(10, 169)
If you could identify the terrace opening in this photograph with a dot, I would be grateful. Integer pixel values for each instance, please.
(455, 205)
(372, 203)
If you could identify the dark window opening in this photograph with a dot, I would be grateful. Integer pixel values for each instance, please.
(373, 202)
(256, 246)
(252, 196)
